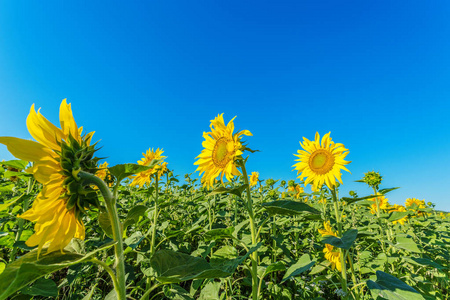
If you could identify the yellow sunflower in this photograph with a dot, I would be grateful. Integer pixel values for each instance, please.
(332, 256)
(420, 204)
(254, 178)
(383, 204)
(145, 177)
(57, 154)
(102, 173)
(321, 161)
(221, 149)
(297, 189)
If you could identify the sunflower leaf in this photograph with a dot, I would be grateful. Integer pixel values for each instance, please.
(288, 208)
(124, 170)
(385, 191)
(397, 215)
(389, 287)
(345, 242)
(29, 268)
(16, 164)
(350, 200)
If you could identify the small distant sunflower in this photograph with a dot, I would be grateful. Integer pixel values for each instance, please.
(221, 149)
(145, 177)
(58, 154)
(383, 204)
(103, 174)
(420, 205)
(254, 178)
(321, 161)
(297, 189)
(328, 231)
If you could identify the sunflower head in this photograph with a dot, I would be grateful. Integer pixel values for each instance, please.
(145, 177)
(379, 203)
(321, 161)
(373, 179)
(333, 256)
(221, 149)
(254, 178)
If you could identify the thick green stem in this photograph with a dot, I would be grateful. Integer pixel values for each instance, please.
(111, 207)
(254, 255)
(342, 251)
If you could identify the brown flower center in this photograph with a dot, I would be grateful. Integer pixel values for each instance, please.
(220, 154)
(321, 161)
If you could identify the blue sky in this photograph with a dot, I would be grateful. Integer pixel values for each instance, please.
(148, 74)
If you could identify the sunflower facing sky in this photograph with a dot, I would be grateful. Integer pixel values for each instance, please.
(145, 177)
(221, 149)
(57, 154)
(321, 161)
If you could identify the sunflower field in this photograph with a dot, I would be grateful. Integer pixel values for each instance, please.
(73, 227)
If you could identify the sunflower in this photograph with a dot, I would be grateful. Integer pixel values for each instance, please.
(145, 177)
(254, 178)
(383, 204)
(297, 189)
(321, 161)
(57, 155)
(420, 205)
(221, 149)
(103, 174)
(332, 256)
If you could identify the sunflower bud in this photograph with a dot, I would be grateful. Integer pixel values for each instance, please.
(373, 179)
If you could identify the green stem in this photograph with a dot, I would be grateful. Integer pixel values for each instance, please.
(342, 251)
(155, 218)
(254, 255)
(111, 207)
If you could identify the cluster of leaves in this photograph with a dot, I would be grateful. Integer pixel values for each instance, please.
(202, 244)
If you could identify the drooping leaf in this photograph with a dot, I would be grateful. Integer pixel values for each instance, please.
(397, 215)
(29, 267)
(276, 266)
(105, 224)
(423, 261)
(345, 242)
(302, 265)
(392, 288)
(173, 267)
(288, 208)
(351, 200)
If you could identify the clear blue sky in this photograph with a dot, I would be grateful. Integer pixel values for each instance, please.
(154, 73)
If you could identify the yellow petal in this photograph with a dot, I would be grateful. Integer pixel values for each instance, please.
(25, 149)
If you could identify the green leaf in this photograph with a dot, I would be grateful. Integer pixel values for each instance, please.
(385, 191)
(219, 233)
(235, 191)
(407, 244)
(345, 242)
(133, 215)
(134, 240)
(397, 215)
(351, 200)
(210, 291)
(302, 265)
(5, 205)
(422, 261)
(42, 287)
(288, 208)
(176, 292)
(90, 294)
(29, 267)
(105, 223)
(2, 267)
(226, 258)
(173, 267)
(276, 266)
(392, 288)
(7, 187)
(16, 164)
(124, 170)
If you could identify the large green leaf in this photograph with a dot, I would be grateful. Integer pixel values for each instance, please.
(29, 267)
(345, 242)
(276, 266)
(219, 233)
(288, 208)
(397, 215)
(227, 259)
(133, 215)
(173, 267)
(389, 287)
(302, 265)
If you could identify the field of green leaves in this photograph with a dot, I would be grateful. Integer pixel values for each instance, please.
(182, 241)
(74, 228)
